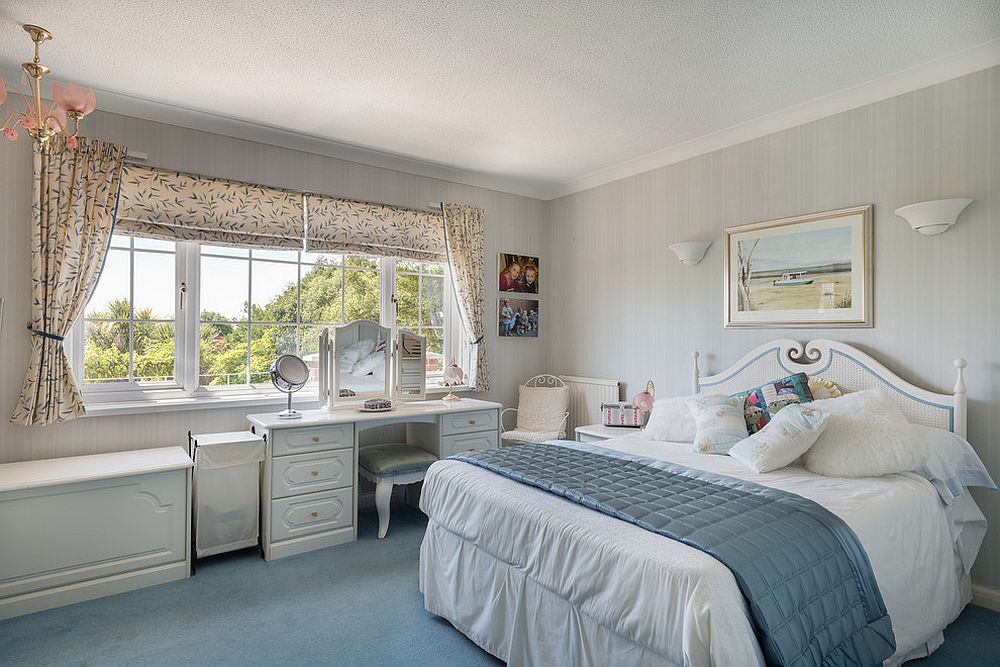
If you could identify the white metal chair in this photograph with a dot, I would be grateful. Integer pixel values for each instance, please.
(542, 412)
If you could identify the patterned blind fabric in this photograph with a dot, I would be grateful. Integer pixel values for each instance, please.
(341, 225)
(176, 206)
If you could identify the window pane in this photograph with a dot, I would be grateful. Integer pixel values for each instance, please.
(408, 266)
(320, 298)
(155, 282)
(153, 244)
(224, 289)
(110, 299)
(227, 252)
(119, 241)
(432, 301)
(434, 269)
(267, 343)
(407, 300)
(435, 351)
(309, 348)
(362, 262)
(223, 357)
(275, 297)
(322, 258)
(362, 295)
(283, 255)
(153, 352)
(105, 352)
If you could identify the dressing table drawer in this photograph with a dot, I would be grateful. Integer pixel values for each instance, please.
(468, 422)
(456, 444)
(312, 513)
(300, 440)
(306, 473)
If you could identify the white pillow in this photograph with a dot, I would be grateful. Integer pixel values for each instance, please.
(720, 422)
(353, 353)
(542, 409)
(671, 420)
(369, 363)
(866, 436)
(951, 464)
(789, 435)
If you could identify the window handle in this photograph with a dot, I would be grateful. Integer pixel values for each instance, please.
(184, 290)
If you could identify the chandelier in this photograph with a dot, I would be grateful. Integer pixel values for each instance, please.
(42, 122)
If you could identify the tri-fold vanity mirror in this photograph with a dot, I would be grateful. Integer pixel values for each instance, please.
(360, 360)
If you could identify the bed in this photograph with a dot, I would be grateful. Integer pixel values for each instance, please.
(535, 579)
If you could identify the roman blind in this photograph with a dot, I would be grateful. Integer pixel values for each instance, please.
(176, 206)
(342, 225)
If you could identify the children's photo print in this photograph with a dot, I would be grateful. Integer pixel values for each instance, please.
(518, 273)
(517, 318)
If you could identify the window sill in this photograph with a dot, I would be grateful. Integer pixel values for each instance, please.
(180, 404)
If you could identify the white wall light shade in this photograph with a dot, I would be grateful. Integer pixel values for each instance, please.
(690, 252)
(933, 217)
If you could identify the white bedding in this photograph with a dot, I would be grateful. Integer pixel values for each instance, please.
(536, 579)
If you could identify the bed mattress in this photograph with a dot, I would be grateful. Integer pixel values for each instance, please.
(536, 579)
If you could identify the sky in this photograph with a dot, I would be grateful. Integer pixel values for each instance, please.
(824, 246)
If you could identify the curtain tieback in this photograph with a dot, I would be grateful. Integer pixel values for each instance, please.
(46, 334)
(477, 341)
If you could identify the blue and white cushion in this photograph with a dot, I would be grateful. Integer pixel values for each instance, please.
(719, 421)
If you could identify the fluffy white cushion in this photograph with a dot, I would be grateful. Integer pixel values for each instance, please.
(671, 421)
(720, 422)
(542, 408)
(370, 363)
(353, 353)
(789, 435)
(866, 436)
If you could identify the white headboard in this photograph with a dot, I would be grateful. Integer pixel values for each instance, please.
(845, 365)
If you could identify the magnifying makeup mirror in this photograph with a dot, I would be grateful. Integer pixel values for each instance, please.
(289, 374)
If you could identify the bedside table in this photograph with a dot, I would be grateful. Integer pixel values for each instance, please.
(599, 432)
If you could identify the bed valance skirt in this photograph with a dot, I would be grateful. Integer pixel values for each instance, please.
(74, 196)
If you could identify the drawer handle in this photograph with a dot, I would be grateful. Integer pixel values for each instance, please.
(314, 514)
(315, 438)
(472, 422)
(315, 473)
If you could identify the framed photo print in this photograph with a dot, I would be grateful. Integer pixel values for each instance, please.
(517, 318)
(518, 273)
(808, 271)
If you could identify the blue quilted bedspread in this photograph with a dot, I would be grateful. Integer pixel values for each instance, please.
(807, 579)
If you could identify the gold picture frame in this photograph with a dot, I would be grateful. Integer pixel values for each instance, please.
(807, 271)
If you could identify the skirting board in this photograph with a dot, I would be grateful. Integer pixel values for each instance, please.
(29, 603)
(983, 596)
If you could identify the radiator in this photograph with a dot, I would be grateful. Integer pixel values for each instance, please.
(585, 398)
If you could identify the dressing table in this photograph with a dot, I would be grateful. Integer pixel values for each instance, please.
(309, 497)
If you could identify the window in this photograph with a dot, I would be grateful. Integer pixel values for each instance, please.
(200, 318)
(129, 325)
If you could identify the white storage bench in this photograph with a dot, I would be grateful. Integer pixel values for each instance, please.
(82, 527)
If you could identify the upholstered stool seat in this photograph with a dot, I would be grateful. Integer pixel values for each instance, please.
(390, 464)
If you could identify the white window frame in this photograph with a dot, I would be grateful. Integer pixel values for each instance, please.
(186, 393)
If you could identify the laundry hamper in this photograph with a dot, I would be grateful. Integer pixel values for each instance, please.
(226, 491)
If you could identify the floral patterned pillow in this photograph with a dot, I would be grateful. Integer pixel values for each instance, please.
(785, 438)
(762, 403)
(719, 422)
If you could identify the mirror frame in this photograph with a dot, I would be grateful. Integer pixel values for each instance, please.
(398, 367)
(340, 341)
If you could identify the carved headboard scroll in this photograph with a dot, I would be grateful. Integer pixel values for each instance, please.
(850, 368)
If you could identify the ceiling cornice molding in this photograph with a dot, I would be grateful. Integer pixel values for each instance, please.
(959, 64)
(950, 67)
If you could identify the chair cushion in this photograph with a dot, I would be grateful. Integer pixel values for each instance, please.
(394, 458)
(531, 437)
(542, 408)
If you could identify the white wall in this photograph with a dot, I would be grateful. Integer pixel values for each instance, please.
(513, 223)
(627, 309)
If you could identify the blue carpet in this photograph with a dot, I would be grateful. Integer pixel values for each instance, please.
(355, 604)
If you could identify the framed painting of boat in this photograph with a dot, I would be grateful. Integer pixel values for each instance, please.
(809, 271)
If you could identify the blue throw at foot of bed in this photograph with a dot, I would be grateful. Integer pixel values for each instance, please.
(807, 579)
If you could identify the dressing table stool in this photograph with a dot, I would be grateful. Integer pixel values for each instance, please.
(390, 464)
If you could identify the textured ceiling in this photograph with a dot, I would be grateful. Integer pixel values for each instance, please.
(544, 92)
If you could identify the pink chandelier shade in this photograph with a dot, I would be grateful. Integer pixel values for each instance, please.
(74, 98)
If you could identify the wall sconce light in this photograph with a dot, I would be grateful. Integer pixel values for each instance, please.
(690, 252)
(933, 217)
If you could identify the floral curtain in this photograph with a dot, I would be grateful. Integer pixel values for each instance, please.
(73, 215)
(341, 225)
(175, 206)
(464, 237)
